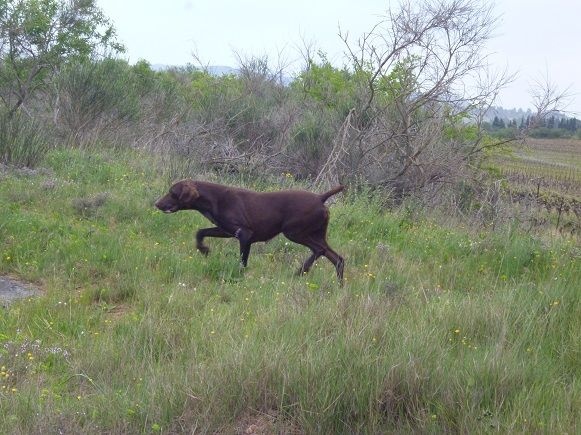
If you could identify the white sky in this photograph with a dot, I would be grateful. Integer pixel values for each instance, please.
(534, 37)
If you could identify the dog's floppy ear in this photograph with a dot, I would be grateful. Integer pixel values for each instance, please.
(188, 192)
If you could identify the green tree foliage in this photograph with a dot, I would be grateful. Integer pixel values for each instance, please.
(325, 95)
(38, 36)
(326, 84)
(498, 123)
(144, 76)
(549, 127)
(401, 82)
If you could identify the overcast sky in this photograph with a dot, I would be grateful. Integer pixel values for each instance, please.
(533, 37)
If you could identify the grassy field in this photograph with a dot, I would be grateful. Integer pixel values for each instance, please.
(439, 328)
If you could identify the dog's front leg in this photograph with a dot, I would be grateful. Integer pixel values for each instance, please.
(208, 232)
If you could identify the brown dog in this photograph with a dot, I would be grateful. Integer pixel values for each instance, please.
(257, 217)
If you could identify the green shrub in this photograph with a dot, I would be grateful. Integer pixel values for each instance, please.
(23, 141)
(312, 135)
(96, 94)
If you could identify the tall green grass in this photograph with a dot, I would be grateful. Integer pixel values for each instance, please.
(438, 327)
(23, 141)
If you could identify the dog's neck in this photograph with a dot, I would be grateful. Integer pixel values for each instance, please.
(206, 202)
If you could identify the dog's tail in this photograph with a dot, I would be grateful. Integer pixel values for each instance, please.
(334, 191)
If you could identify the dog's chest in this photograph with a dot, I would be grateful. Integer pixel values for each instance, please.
(209, 216)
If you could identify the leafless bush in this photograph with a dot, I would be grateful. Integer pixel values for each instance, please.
(423, 59)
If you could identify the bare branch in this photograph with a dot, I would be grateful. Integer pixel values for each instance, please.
(547, 99)
(427, 67)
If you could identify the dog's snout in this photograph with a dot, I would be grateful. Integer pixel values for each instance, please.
(166, 205)
(161, 204)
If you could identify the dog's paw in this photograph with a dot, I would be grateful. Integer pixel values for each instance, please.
(203, 250)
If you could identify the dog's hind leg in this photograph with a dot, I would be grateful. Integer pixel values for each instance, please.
(319, 246)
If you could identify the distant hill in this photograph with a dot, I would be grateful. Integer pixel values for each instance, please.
(507, 114)
(222, 70)
(215, 70)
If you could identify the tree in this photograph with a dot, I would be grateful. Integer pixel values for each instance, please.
(427, 74)
(38, 36)
(421, 120)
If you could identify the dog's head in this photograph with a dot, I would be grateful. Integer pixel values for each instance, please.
(181, 196)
